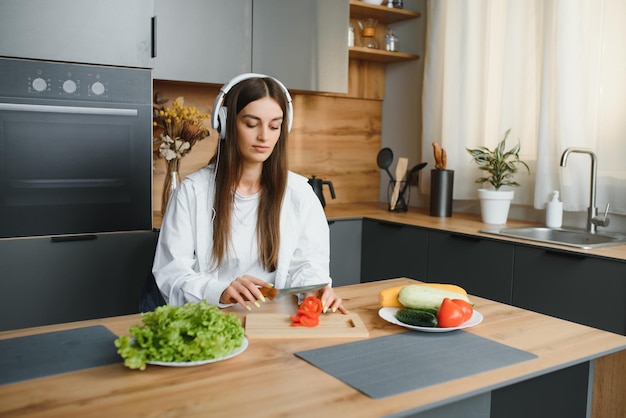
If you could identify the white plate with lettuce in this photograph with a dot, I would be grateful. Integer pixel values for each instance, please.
(232, 354)
(389, 315)
(182, 336)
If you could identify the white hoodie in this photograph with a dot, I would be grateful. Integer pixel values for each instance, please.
(182, 263)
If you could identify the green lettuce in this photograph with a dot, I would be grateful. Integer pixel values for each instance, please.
(192, 332)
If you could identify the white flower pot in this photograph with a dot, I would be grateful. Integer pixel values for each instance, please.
(494, 205)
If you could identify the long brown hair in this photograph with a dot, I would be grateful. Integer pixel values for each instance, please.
(230, 169)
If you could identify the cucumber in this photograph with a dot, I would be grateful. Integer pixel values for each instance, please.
(416, 317)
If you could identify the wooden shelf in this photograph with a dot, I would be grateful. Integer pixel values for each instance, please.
(384, 14)
(379, 55)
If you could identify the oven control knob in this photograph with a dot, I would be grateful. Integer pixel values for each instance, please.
(97, 88)
(69, 86)
(39, 84)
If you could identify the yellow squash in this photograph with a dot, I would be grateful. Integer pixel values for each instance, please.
(389, 297)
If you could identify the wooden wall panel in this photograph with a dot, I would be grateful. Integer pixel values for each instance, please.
(366, 79)
(335, 138)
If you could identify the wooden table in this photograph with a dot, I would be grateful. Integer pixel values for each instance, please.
(267, 380)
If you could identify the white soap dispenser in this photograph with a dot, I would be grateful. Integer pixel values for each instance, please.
(554, 211)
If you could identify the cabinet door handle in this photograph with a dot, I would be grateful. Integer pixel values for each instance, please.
(462, 237)
(556, 253)
(154, 38)
(72, 238)
(390, 224)
(72, 110)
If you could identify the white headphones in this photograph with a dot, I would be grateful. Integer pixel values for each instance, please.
(218, 115)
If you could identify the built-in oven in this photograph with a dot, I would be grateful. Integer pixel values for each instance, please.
(75, 149)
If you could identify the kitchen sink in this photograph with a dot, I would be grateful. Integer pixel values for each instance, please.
(571, 237)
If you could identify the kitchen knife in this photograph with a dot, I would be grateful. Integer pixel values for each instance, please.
(273, 293)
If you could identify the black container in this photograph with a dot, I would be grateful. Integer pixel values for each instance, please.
(441, 188)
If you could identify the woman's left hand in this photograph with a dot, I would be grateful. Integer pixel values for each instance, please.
(330, 300)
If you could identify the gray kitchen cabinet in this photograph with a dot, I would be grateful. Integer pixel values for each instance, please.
(300, 42)
(345, 251)
(112, 32)
(45, 282)
(482, 267)
(304, 43)
(573, 286)
(563, 393)
(206, 41)
(558, 394)
(391, 250)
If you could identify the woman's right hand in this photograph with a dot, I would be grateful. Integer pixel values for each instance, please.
(244, 289)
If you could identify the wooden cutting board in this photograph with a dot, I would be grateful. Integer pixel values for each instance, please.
(278, 325)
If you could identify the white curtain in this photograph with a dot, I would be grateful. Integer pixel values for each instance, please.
(554, 71)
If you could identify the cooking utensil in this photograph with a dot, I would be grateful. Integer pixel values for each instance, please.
(384, 160)
(441, 158)
(273, 293)
(409, 177)
(400, 174)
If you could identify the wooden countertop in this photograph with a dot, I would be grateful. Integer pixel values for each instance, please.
(463, 223)
(268, 380)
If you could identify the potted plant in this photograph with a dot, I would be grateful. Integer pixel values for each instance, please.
(500, 166)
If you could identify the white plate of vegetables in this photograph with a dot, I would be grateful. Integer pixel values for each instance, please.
(389, 315)
(429, 307)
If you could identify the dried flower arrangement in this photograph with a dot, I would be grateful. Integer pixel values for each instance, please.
(177, 129)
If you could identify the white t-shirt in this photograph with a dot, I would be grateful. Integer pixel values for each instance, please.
(243, 253)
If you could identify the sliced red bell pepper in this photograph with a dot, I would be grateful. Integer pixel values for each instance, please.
(308, 313)
(312, 304)
(309, 322)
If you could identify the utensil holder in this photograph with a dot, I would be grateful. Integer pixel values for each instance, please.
(402, 204)
(441, 188)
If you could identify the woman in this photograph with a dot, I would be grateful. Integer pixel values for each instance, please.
(244, 221)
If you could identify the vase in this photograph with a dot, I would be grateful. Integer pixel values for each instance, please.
(494, 205)
(170, 183)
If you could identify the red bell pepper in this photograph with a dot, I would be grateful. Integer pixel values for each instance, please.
(308, 313)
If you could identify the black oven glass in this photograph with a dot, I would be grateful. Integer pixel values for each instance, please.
(76, 163)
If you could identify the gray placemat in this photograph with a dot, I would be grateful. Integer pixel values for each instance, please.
(40, 355)
(387, 366)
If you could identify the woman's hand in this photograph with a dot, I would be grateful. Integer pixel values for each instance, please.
(244, 289)
(330, 300)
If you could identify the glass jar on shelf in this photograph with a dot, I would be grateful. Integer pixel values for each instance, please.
(351, 36)
(391, 41)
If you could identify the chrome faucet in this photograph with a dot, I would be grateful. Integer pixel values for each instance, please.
(593, 220)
